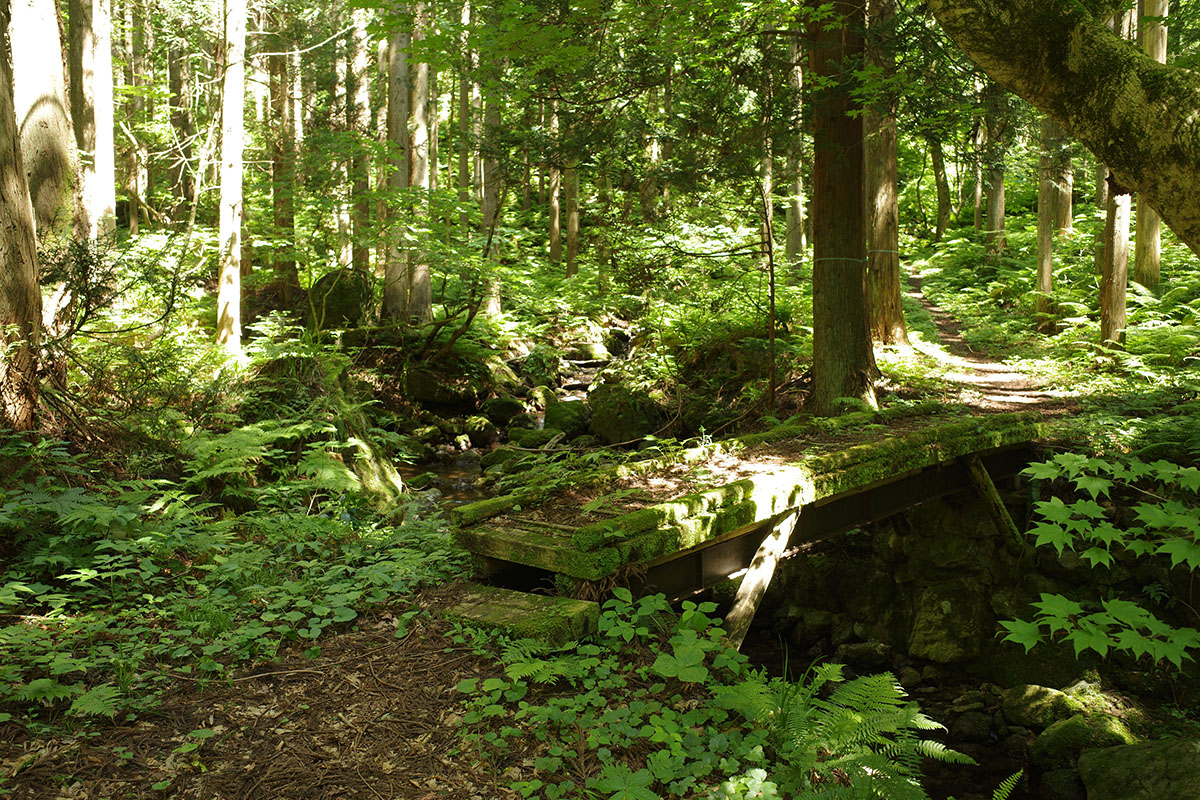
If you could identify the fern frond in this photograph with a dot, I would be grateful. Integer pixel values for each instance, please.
(1007, 786)
(939, 752)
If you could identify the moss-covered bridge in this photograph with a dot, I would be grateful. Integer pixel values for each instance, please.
(701, 538)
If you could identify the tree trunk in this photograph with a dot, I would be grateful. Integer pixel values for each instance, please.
(20, 296)
(555, 182)
(882, 194)
(395, 275)
(943, 186)
(47, 144)
(1138, 116)
(843, 362)
(795, 245)
(1062, 177)
(358, 108)
(1148, 255)
(1114, 279)
(420, 291)
(179, 80)
(1045, 228)
(492, 197)
(571, 196)
(977, 139)
(283, 166)
(648, 192)
(233, 99)
(997, 129)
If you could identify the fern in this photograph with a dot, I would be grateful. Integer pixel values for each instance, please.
(1007, 786)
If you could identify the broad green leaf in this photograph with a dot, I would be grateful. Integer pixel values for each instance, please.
(1022, 632)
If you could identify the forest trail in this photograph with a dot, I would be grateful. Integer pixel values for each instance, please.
(991, 386)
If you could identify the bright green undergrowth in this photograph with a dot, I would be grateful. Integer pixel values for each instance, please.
(1118, 512)
(658, 706)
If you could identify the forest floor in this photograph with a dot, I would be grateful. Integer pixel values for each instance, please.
(373, 715)
(991, 386)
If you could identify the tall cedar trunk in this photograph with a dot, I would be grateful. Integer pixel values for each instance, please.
(1114, 279)
(82, 57)
(339, 100)
(977, 139)
(395, 271)
(997, 130)
(1101, 202)
(795, 244)
(492, 196)
(464, 117)
(943, 186)
(1136, 115)
(47, 143)
(1148, 254)
(379, 106)
(103, 193)
(233, 99)
(843, 362)
(358, 111)
(571, 196)
(1062, 176)
(1045, 227)
(555, 182)
(179, 81)
(603, 232)
(142, 41)
(882, 195)
(20, 297)
(668, 143)
(420, 292)
(283, 169)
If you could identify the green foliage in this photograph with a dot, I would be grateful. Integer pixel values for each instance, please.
(658, 706)
(1164, 526)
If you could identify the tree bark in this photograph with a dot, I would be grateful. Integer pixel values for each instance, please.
(358, 108)
(47, 142)
(795, 245)
(180, 87)
(493, 179)
(883, 210)
(233, 99)
(555, 182)
(1138, 116)
(843, 362)
(20, 296)
(1114, 279)
(571, 196)
(420, 290)
(1148, 253)
(997, 129)
(943, 186)
(395, 275)
(1045, 228)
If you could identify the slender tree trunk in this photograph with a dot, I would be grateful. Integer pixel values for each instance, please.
(1114, 279)
(341, 98)
(395, 277)
(47, 143)
(795, 245)
(1100, 200)
(997, 131)
(143, 104)
(233, 94)
(1062, 177)
(465, 147)
(492, 183)
(1148, 253)
(668, 141)
(977, 139)
(358, 110)
(603, 233)
(571, 195)
(82, 45)
(283, 166)
(179, 80)
(420, 292)
(943, 186)
(648, 194)
(843, 362)
(882, 192)
(20, 296)
(555, 181)
(1045, 228)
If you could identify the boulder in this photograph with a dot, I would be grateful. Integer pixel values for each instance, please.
(950, 622)
(865, 656)
(1061, 784)
(1165, 770)
(621, 414)
(543, 366)
(542, 396)
(568, 416)
(588, 351)
(339, 299)
(500, 456)
(971, 726)
(1037, 706)
(531, 439)
(482, 431)
(424, 387)
(1061, 744)
(502, 410)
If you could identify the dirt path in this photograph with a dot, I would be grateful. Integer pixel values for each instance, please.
(992, 386)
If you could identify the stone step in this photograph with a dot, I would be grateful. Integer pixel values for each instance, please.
(553, 620)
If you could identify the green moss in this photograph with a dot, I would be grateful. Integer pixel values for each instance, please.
(473, 513)
(537, 549)
(554, 620)
(1061, 744)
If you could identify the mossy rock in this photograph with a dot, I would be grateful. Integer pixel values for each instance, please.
(588, 351)
(542, 396)
(1032, 706)
(427, 388)
(339, 299)
(532, 439)
(949, 622)
(501, 410)
(568, 416)
(543, 366)
(501, 374)
(482, 431)
(429, 434)
(1166, 770)
(621, 414)
(553, 620)
(502, 456)
(1061, 744)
